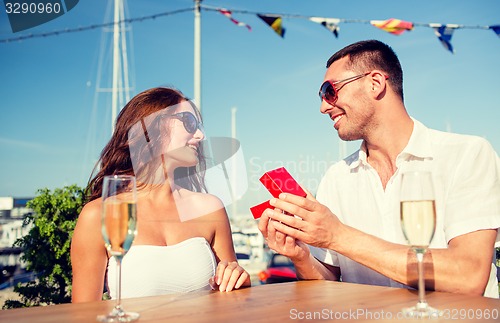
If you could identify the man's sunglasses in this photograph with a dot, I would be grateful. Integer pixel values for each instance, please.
(191, 124)
(329, 92)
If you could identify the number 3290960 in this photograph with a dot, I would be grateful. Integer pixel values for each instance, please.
(478, 314)
(32, 7)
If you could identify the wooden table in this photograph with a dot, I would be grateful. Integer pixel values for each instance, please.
(304, 300)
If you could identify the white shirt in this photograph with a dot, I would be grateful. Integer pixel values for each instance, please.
(466, 176)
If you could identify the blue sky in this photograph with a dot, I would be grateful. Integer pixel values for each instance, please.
(51, 132)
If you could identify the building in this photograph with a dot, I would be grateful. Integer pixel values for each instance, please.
(12, 212)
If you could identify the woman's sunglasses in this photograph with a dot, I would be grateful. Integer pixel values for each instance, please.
(191, 124)
(329, 92)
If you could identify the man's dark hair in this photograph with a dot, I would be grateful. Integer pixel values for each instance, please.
(368, 55)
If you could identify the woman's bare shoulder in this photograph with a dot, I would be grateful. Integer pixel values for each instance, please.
(198, 198)
(91, 211)
(87, 234)
(203, 203)
(209, 200)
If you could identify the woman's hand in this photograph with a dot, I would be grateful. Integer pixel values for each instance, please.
(229, 276)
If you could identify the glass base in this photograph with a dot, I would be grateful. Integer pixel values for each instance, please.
(421, 310)
(118, 315)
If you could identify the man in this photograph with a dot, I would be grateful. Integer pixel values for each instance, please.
(353, 228)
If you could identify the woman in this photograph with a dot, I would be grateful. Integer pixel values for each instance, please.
(183, 240)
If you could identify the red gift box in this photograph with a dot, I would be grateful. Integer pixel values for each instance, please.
(259, 209)
(277, 181)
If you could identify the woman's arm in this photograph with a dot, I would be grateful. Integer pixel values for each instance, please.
(88, 255)
(229, 274)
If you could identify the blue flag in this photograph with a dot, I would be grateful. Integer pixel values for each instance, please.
(444, 33)
(496, 29)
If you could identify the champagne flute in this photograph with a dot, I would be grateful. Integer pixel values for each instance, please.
(119, 203)
(418, 221)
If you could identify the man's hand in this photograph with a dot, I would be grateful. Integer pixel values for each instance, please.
(313, 223)
(280, 242)
(285, 237)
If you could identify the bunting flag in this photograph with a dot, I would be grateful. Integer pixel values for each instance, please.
(392, 25)
(444, 33)
(228, 14)
(332, 24)
(496, 29)
(275, 22)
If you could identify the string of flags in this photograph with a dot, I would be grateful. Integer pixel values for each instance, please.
(94, 26)
(444, 32)
(228, 14)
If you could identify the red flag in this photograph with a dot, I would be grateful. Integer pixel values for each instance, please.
(392, 25)
(228, 14)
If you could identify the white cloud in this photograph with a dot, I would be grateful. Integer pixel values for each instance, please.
(22, 144)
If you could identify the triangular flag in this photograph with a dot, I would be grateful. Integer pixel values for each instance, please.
(496, 29)
(275, 22)
(228, 14)
(332, 24)
(392, 25)
(444, 33)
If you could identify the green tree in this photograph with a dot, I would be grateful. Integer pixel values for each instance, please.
(46, 248)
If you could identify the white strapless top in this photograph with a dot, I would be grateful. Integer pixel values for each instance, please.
(149, 270)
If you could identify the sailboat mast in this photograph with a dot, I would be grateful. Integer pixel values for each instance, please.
(116, 64)
(197, 53)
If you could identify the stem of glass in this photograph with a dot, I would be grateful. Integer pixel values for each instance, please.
(421, 283)
(118, 306)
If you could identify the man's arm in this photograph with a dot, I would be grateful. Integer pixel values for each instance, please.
(306, 266)
(315, 269)
(462, 268)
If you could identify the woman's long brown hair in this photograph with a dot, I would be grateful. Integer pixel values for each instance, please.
(115, 158)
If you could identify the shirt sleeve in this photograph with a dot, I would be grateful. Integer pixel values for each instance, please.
(324, 195)
(325, 255)
(473, 201)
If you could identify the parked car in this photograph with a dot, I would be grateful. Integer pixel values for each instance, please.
(280, 269)
(243, 258)
(242, 248)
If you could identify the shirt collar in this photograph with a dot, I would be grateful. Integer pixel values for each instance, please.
(358, 158)
(418, 146)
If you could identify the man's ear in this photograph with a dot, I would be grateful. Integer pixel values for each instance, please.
(378, 83)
